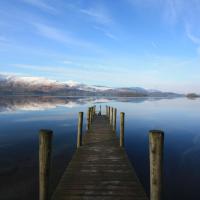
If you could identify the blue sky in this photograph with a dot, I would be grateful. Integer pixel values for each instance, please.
(146, 43)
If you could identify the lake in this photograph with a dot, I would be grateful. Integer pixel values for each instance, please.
(21, 118)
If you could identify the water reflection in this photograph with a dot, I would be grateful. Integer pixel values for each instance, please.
(22, 116)
(31, 103)
(36, 103)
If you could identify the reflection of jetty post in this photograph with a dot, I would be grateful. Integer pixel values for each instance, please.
(45, 146)
(80, 129)
(156, 141)
(122, 129)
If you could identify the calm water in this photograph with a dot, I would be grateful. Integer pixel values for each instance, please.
(22, 117)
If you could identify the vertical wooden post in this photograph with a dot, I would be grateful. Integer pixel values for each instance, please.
(80, 129)
(90, 116)
(110, 115)
(92, 113)
(45, 148)
(114, 119)
(156, 142)
(122, 129)
(88, 119)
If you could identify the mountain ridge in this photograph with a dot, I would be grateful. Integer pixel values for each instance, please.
(12, 85)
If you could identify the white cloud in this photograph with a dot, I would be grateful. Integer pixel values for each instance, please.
(98, 13)
(177, 12)
(51, 69)
(198, 51)
(106, 32)
(154, 44)
(193, 38)
(60, 36)
(67, 62)
(172, 11)
(155, 78)
(41, 4)
(3, 39)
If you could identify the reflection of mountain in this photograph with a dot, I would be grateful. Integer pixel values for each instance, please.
(13, 85)
(31, 103)
(12, 103)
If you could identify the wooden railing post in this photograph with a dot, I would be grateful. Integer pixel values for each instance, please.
(114, 119)
(156, 142)
(45, 148)
(122, 129)
(88, 119)
(92, 113)
(111, 113)
(90, 116)
(80, 129)
(108, 112)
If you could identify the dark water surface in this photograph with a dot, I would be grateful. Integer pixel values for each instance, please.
(22, 117)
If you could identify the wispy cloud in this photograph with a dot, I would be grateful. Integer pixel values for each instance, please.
(154, 44)
(182, 13)
(106, 32)
(172, 11)
(193, 38)
(99, 14)
(60, 36)
(67, 62)
(3, 39)
(49, 69)
(41, 4)
(198, 50)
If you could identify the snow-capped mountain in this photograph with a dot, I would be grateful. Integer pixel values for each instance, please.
(12, 84)
(17, 84)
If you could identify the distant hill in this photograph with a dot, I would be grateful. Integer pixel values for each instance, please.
(16, 85)
(192, 95)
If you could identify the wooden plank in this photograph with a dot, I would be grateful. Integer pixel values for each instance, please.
(100, 169)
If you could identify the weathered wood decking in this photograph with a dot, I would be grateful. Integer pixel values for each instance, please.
(99, 169)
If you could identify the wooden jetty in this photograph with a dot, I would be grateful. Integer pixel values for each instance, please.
(100, 168)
